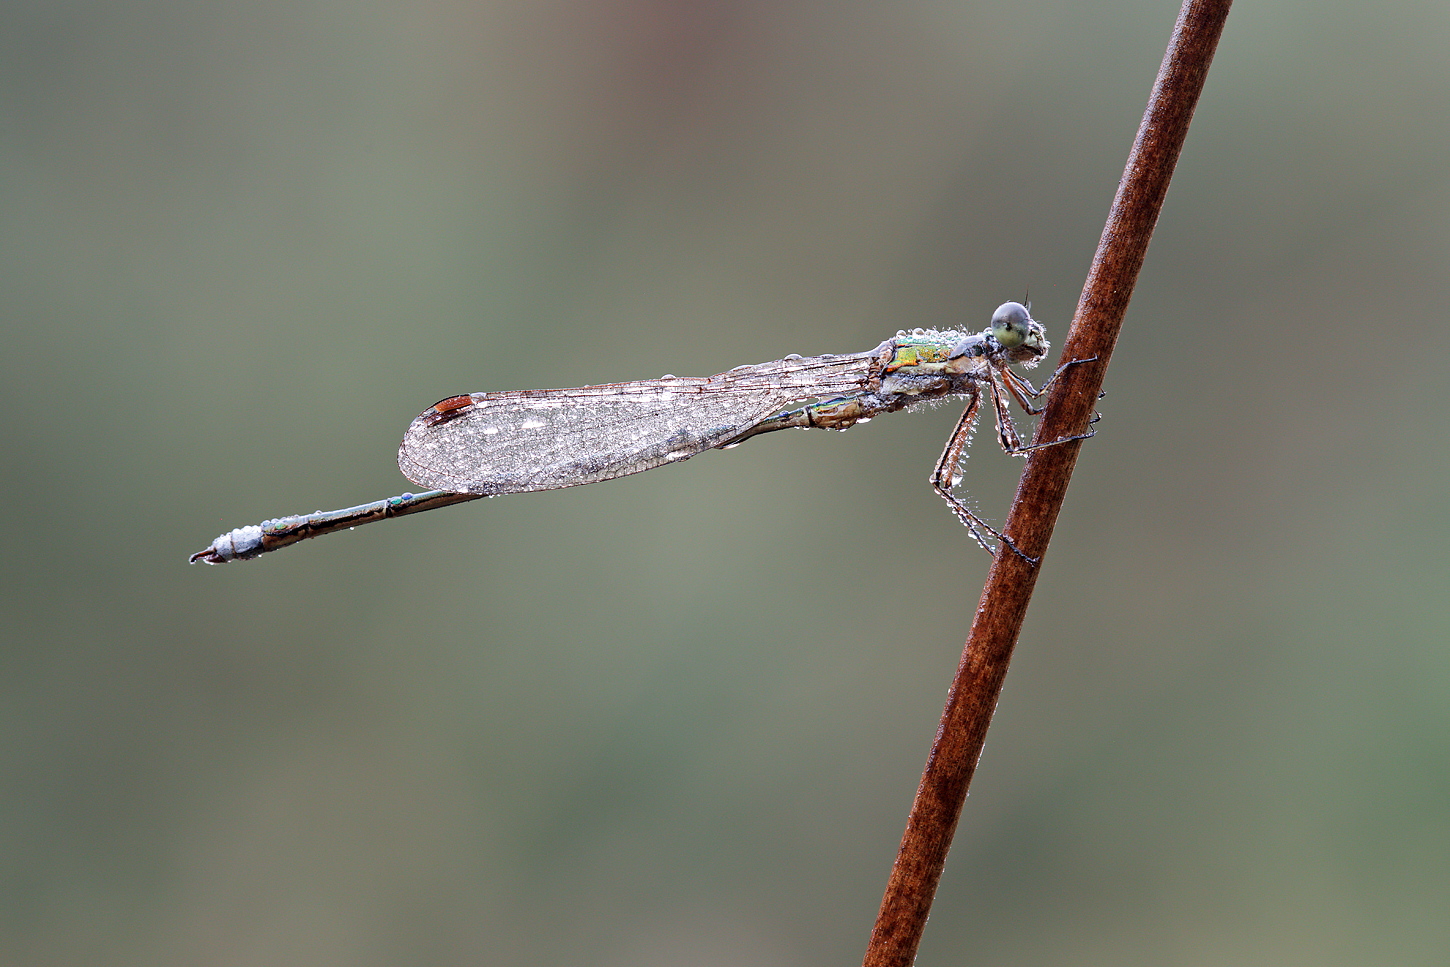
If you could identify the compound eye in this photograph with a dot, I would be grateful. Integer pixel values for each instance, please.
(1009, 324)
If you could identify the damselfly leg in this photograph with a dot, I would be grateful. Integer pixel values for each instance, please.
(1001, 383)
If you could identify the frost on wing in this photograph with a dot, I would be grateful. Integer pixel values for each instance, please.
(509, 442)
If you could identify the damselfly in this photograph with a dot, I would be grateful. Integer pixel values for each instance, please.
(486, 444)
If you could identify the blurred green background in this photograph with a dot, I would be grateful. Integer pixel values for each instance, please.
(678, 719)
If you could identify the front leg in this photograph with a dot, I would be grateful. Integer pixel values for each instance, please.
(1024, 392)
(1014, 384)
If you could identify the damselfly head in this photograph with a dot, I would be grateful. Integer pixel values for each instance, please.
(1021, 338)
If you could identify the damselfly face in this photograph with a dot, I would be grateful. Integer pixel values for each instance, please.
(1022, 339)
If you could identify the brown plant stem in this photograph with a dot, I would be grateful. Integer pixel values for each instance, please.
(1094, 332)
